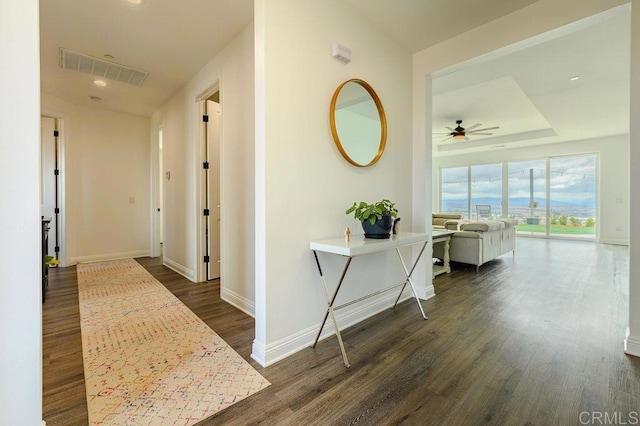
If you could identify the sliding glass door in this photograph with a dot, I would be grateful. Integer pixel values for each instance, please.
(454, 191)
(555, 196)
(527, 185)
(486, 191)
(572, 205)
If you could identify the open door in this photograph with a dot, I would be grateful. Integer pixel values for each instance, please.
(212, 190)
(50, 172)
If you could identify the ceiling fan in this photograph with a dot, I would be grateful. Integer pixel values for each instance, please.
(460, 133)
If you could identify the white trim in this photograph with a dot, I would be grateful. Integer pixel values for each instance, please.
(245, 305)
(258, 352)
(109, 256)
(200, 175)
(296, 342)
(615, 241)
(632, 344)
(176, 267)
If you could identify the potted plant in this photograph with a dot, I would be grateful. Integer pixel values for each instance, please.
(377, 218)
(532, 220)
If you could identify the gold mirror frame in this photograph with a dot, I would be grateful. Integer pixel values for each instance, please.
(383, 122)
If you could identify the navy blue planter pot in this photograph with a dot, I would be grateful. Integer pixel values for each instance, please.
(380, 229)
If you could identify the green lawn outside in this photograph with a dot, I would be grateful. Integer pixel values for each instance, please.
(558, 229)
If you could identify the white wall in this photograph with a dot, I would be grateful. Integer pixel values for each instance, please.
(232, 71)
(303, 185)
(106, 163)
(632, 342)
(613, 176)
(20, 285)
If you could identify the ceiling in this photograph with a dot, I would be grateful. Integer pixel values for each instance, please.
(527, 93)
(169, 39)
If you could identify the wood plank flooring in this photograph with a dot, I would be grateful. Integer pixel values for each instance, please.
(536, 339)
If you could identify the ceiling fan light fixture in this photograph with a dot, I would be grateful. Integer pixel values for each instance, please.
(458, 136)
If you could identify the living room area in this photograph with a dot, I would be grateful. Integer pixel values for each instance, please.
(534, 142)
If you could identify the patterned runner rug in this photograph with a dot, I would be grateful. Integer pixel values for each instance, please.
(148, 359)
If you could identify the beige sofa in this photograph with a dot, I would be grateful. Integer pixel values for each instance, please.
(479, 242)
(446, 221)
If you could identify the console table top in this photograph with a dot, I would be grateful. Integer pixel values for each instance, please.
(359, 245)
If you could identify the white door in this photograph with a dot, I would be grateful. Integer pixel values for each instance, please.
(213, 150)
(48, 166)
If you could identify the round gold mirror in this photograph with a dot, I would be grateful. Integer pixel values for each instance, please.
(358, 123)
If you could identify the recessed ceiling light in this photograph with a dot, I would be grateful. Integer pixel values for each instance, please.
(136, 1)
(100, 83)
(575, 77)
(109, 57)
(95, 98)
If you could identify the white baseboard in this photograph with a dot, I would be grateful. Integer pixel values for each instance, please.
(258, 352)
(632, 345)
(614, 241)
(109, 256)
(240, 302)
(276, 351)
(176, 267)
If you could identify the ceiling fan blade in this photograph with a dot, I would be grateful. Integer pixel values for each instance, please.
(474, 126)
(482, 130)
(441, 133)
(483, 134)
(466, 138)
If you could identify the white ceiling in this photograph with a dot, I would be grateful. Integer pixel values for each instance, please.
(527, 93)
(418, 24)
(171, 40)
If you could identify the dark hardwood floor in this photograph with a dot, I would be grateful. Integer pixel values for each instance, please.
(536, 339)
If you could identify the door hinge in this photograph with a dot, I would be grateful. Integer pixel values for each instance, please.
(206, 212)
(57, 249)
(56, 172)
(56, 210)
(205, 165)
(56, 133)
(206, 259)
(205, 118)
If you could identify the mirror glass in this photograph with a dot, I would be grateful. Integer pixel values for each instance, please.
(358, 123)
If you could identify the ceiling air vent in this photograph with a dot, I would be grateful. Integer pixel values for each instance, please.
(87, 64)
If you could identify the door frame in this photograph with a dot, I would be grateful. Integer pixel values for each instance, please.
(156, 175)
(59, 125)
(201, 176)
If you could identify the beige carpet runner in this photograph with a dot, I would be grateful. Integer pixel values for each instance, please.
(149, 360)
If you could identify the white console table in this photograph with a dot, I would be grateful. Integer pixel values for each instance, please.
(358, 245)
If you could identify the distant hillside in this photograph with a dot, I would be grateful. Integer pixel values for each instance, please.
(523, 202)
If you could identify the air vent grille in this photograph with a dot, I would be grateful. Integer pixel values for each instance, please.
(75, 61)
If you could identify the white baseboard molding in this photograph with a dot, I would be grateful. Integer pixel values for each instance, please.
(632, 344)
(176, 267)
(258, 352)
(283, 348)
(108, 256)
(245, 305)
(426, 293)
(614, 241)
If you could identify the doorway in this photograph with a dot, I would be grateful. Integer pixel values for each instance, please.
(51, 188)
(211, 167)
